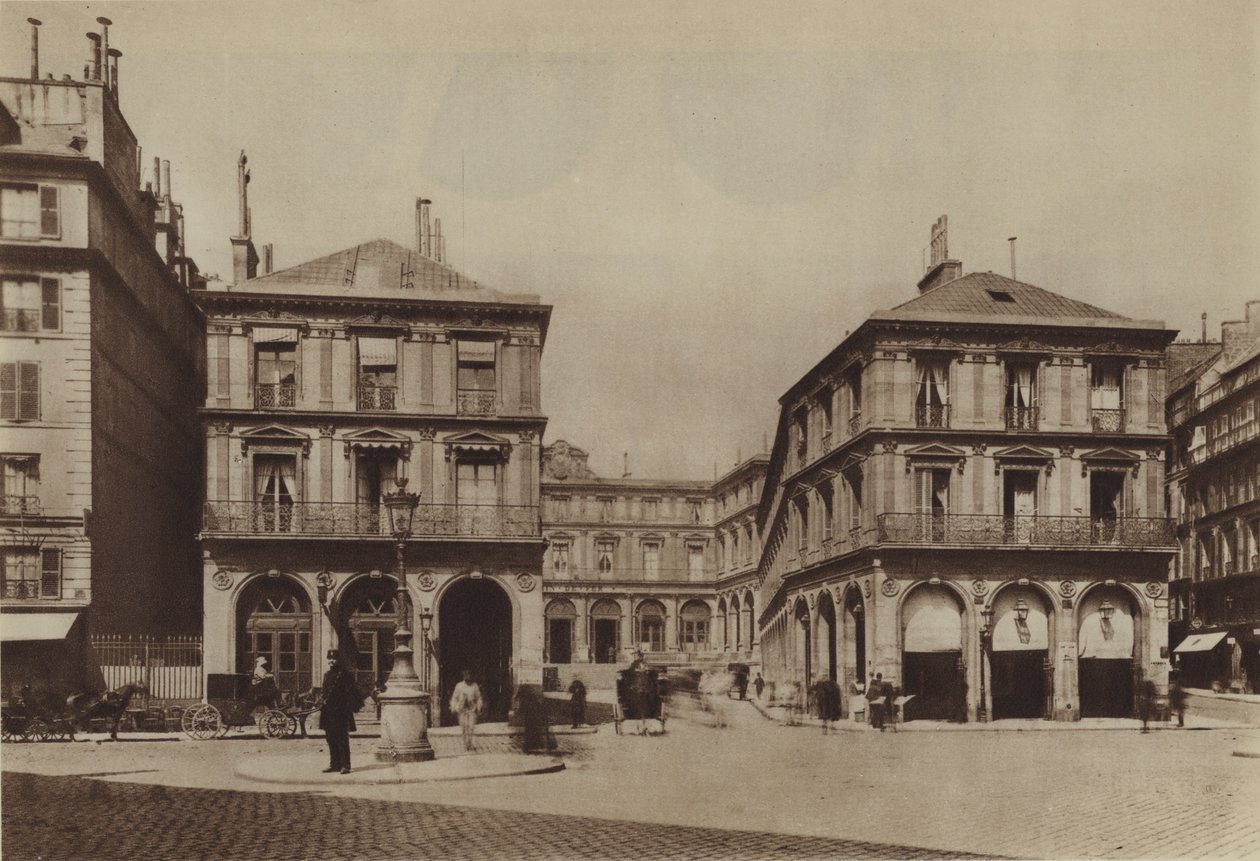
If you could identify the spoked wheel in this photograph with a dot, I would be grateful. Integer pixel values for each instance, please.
(37, 730)
(202, 722)
(276, 724)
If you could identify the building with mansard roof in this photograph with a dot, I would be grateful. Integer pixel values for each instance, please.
(329, 384)
(1214, 495)
(101, 367)
(966, 496)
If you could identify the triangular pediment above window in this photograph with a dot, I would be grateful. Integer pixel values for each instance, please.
(1110, 454)
(1023, 452)
(274, 435)
(935, 449)
(478, 443)
(376, 321)
(377, 438)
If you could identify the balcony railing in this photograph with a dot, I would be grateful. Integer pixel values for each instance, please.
(475, 402)
(1021, 418)
(21, 588)
(996, 529)
(19, 320)
(1226, 441)
(378, 397)
(1107, 421)
(19, 505)
(275, 396)
(931, 415)
(349, 518)
(827, 442)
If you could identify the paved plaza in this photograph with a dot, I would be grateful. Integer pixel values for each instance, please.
(755, 789)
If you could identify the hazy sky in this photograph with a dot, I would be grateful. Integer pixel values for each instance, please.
(710, 194)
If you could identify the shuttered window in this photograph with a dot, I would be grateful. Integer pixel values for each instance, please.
(50, 304)
(50, 573)
(19, 390)
(49, 211)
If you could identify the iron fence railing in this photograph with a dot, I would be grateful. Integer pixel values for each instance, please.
(1021, 418)
(20, 588)
(20, 320)
(990, 529)
(19, 505)
(349, 518)
(170, 667)
(1107, 421)
(378, 397)
(475, 402)
(931, 415)
(275, 395)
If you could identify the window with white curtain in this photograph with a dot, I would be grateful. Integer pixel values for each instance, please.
(275, 490)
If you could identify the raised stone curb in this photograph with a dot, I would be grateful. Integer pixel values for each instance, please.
(305, 769)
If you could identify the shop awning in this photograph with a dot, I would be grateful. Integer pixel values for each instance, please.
(35, 626)
(1200, 642)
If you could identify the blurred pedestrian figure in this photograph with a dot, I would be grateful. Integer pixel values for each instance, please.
(1177, 700)
(263, 684)
(759, 685)
(531, 711)
(875, 701)
(741, 682)
(577, 702)
(891, 692)
(828, 699)
(466, 702)
(1146, 701)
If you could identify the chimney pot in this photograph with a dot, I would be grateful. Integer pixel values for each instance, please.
(34, 22)
(166, 179)
(105, 22)
(95, 58)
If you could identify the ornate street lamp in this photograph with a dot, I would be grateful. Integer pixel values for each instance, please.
(1106, 610)
(1021, 610)
(986, 652)
(404, 706)
(426, 625)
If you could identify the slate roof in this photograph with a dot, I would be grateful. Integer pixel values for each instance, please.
(1186, 361)
(988, 295)
(379, 269)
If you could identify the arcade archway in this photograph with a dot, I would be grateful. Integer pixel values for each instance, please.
(932, 663)
(367, 608)
(475, 633)
(1020, 659)
(273, 620)
(1105, 649)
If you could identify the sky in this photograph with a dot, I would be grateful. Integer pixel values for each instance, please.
(710, 194)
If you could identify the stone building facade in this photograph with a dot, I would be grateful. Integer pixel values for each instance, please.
(101, 367)
(966, 496)
(329, 383)
(735, 498)
(1214, 495)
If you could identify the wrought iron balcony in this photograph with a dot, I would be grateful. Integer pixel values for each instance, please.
(1021, 418)
(350, 518)
(275, 396)
(475, 402)
(999, 530)
(19, 505)
(377, 397)
(1107, 421)
(931, 415)
(21, 589)
(828, 443)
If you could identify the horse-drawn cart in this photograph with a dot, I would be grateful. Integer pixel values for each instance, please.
(641, 695)
(232, 703)
(24, 719)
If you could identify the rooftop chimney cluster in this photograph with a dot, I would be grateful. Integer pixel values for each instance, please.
(429, 239)
(102, 64)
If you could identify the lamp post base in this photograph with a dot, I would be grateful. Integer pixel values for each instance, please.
(404, 727)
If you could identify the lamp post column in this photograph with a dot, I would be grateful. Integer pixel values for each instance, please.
(986, 649)
(404, 706)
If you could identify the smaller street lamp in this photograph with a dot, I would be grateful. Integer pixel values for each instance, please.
(986, 651)
(1021, 610)
(426, 625)
(1106, 610)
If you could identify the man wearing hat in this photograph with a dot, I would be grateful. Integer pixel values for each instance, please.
(336, 713)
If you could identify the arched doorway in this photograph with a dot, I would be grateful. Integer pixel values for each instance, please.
(606, 631)
(827, 635)
(1105, 641)
(273, 619)
(931, 660)
(475, 633)
(367, 607)
(693, 620)
(561, 615)
(854, 638)
(804, 650)
(1020, 662)
(649, 625)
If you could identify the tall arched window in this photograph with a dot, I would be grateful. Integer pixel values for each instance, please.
(694, 624)
(649, 622)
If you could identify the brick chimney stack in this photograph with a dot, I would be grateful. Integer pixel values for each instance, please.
(244, 255)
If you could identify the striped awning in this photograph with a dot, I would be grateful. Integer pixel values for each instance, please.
(374, 352)
(273, 335)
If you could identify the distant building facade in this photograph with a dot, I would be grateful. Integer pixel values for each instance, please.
(966, 495)
(1214, 494)
(331, 382)
(101, 368)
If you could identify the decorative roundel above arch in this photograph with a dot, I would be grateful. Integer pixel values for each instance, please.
(1154, 589)
(1067, 588)
(866, 588)
(889, 588)
(426, 581)
(979, 588)
(325, 579)
(525, 582)
(222, 580)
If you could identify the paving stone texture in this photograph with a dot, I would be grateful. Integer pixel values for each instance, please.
(754, 789)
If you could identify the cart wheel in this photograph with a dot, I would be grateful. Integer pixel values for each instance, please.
(202, 722)
(37, 730)
(276, 724)
(6, 730)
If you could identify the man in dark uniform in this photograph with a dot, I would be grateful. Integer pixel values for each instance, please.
(336, 713)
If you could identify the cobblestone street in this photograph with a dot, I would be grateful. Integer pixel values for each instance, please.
(753, 790)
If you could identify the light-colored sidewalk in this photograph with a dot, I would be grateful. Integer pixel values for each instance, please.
(305, 768)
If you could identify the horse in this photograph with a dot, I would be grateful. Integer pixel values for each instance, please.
(111, 706)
